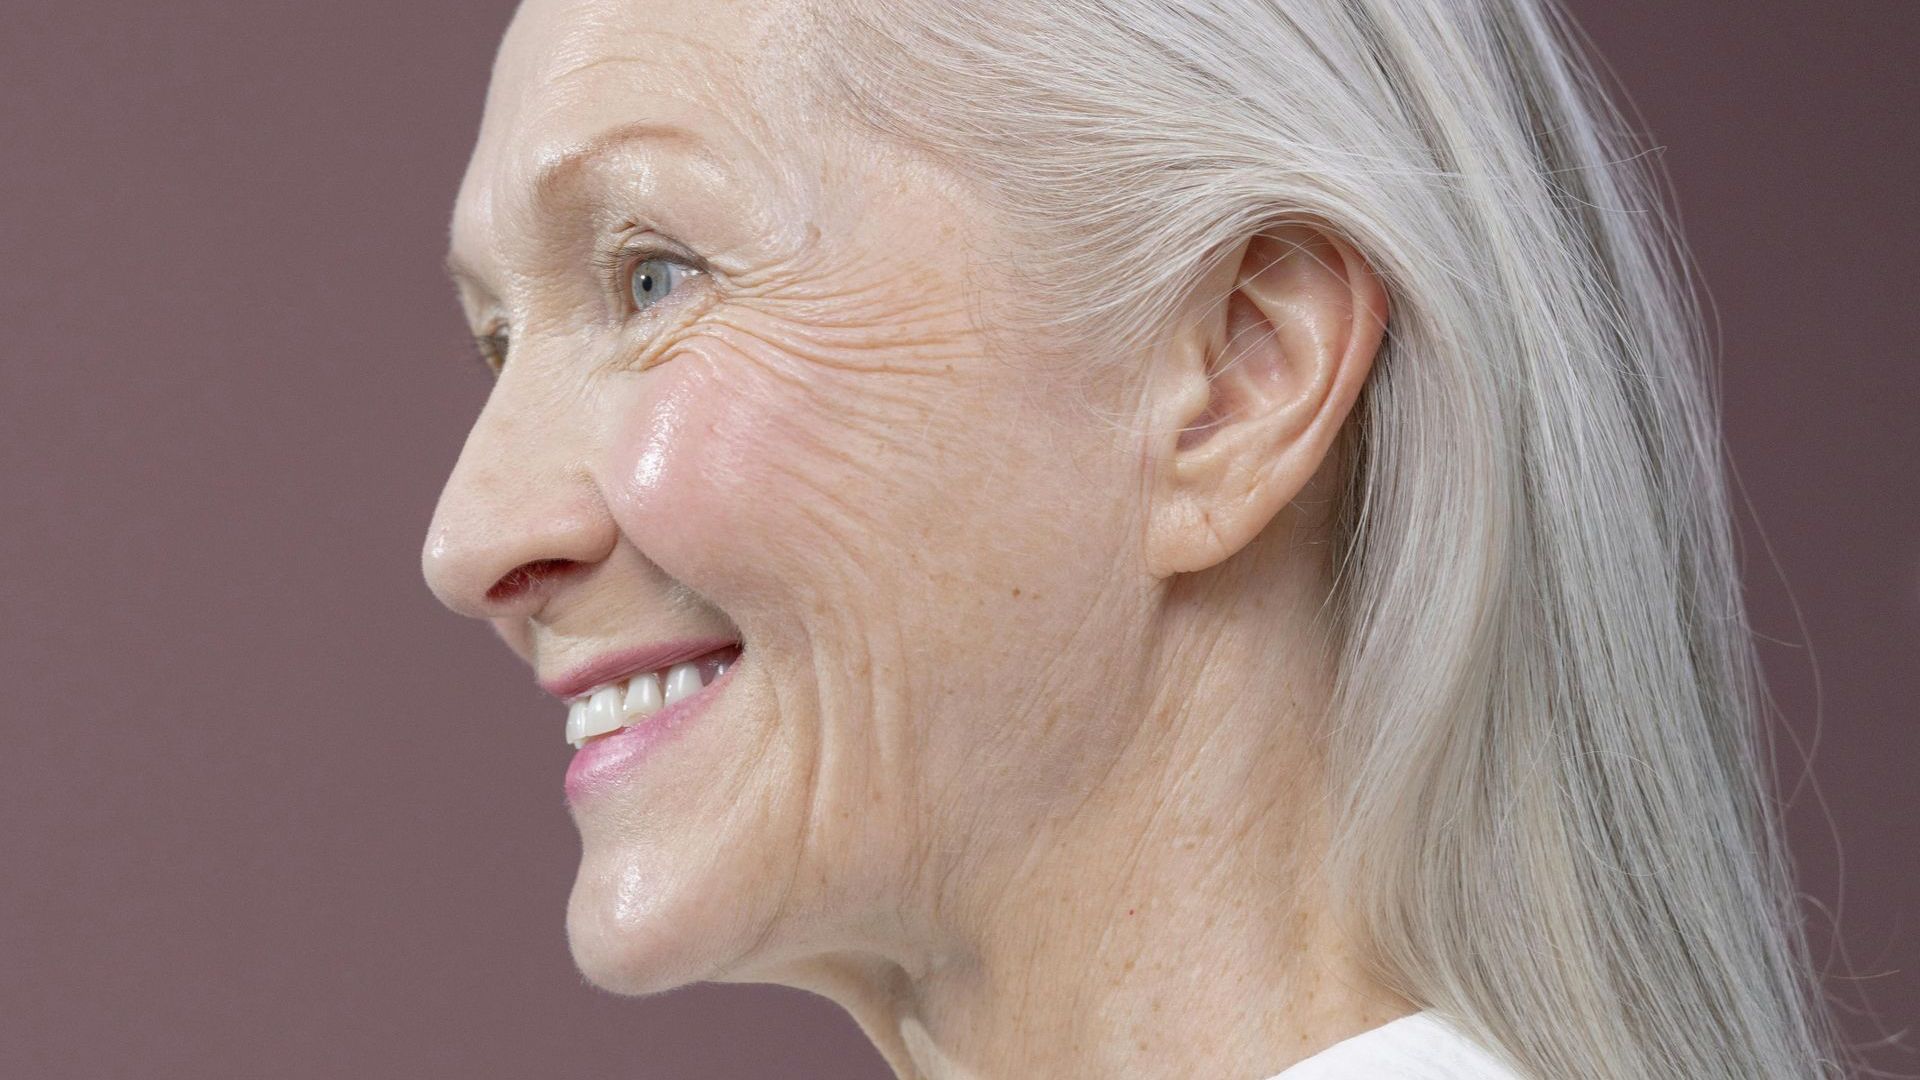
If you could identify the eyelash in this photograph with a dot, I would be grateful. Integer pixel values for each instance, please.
(615, 267)
(492, 343)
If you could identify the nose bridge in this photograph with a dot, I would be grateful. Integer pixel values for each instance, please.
(517, 509)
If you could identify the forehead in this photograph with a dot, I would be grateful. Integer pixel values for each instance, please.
(572, 73)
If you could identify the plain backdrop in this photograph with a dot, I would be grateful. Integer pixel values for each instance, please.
(267, 811)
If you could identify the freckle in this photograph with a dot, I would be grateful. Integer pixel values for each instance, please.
(1016, 592)
(1129, 911)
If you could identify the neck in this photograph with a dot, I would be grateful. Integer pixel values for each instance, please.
(1173, 924)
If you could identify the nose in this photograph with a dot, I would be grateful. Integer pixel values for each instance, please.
(518, 517)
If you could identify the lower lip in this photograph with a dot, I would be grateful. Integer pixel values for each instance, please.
(606, 761)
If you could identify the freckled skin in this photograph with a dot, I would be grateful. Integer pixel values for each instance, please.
(951, 784)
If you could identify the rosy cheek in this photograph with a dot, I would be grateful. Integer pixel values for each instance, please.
(693, 461)
(653, 455)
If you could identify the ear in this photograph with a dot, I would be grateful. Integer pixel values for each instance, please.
(1257, 389)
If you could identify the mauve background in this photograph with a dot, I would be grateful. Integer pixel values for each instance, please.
(266, 810)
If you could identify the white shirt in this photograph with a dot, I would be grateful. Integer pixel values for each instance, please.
(1418, 1047)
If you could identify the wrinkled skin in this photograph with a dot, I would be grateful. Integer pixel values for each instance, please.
(1015, 764)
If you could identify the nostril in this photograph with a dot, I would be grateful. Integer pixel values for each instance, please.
(526, 576)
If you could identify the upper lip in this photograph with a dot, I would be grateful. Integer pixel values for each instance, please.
(613, 666)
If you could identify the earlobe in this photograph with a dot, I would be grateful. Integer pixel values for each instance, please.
(1260, 385)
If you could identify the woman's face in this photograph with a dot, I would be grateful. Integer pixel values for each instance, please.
(744, 403)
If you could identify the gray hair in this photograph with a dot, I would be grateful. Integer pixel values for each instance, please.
(1557, 822)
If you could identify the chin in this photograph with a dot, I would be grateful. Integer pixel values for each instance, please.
(645, 917)
(626, 943)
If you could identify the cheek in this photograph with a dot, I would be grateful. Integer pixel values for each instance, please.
(931, 499)
(654, 487)
(710, 471)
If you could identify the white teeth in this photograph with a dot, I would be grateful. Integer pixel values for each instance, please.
(603, 712)
(683, 681)
(643, 696)
(614, 706)
(577, 723)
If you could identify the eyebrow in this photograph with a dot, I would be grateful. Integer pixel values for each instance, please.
(560, 168)
(457, 270)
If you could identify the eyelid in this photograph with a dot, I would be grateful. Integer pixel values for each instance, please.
(494, 338)
(617, 262)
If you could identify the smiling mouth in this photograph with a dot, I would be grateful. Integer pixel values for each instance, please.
(611, 706)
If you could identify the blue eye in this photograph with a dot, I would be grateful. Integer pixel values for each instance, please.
(652, 279)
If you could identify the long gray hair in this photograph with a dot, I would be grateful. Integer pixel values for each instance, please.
(1556, 815)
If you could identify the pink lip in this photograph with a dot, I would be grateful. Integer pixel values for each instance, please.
(603, 760)
(614, 666)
